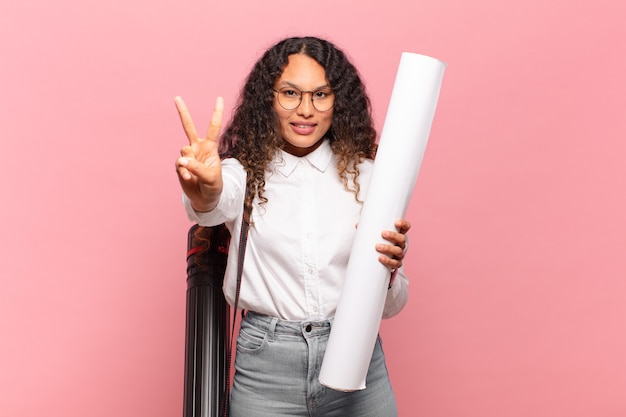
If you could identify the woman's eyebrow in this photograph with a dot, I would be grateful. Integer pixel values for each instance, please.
(290, 84)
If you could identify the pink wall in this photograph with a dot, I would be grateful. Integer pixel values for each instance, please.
(518, 259)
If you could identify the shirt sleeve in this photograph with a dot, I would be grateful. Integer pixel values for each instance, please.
(397, 295)
(231, 200)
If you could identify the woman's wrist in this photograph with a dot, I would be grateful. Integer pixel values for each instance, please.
(202, 207)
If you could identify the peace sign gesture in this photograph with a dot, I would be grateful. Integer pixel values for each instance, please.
(199, 167)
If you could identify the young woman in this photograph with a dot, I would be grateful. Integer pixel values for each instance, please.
(298, 153)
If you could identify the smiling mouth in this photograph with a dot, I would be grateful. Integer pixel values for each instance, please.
(303, 129)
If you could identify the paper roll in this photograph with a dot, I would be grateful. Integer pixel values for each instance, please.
(401, 149)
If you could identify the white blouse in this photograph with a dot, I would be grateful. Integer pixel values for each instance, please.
(300, 241)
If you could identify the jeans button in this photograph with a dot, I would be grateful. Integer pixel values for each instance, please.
(307, 328)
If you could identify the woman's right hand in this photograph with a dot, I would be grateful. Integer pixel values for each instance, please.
(199, 167)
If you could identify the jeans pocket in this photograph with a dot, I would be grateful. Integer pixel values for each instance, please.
(251, 339)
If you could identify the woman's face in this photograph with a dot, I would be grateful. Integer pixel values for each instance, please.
(303, 127)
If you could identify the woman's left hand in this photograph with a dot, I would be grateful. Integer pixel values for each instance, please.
(391, 255)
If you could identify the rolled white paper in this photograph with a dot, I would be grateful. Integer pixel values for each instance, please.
(398, 160)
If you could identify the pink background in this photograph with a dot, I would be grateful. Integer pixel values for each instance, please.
(517, 261)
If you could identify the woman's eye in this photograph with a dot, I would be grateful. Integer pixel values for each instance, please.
(323, 94)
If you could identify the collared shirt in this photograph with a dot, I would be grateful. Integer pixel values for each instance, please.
(300, 242)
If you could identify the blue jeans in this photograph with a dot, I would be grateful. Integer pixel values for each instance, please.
(277, 368)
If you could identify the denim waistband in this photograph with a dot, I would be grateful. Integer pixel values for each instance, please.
(274, 325)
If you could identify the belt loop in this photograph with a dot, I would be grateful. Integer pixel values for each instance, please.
(272, 329)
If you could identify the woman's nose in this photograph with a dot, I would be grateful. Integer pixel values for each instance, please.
(306, 105)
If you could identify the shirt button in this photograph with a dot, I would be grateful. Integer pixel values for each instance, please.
(308, 328)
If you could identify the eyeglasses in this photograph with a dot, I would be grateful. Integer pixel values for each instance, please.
(290, 98)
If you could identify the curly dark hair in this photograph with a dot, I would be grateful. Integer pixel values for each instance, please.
(253, 134)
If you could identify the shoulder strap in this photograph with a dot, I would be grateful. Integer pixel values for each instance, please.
(243, 240)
